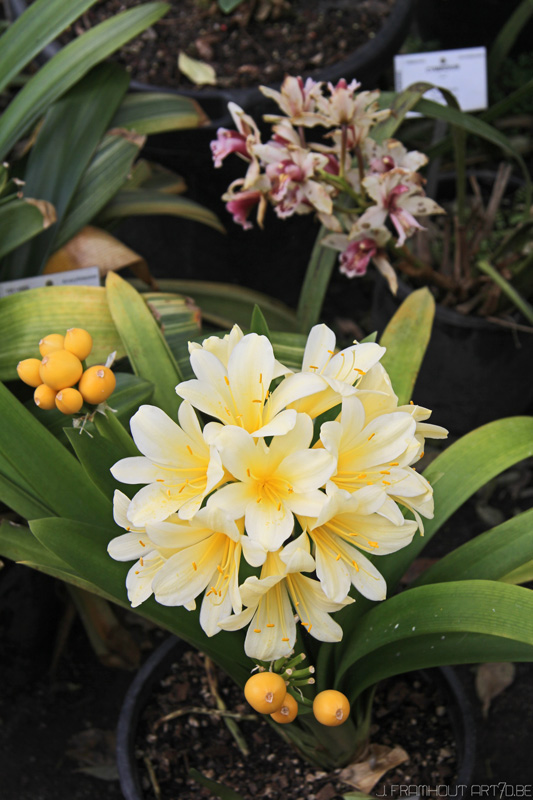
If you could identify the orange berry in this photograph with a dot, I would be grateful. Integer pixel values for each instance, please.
(79, 342)
(51, 343)
(288, 711)
(331, 708)
(97, 384)
(28, 371)
(45, 397)
(265, 691)
(69, 401)
(60, 369)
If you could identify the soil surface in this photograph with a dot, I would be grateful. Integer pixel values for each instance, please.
(297, 37)
(409, 712)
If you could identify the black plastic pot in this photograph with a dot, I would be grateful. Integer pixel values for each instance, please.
(159, 663)
(365, 64)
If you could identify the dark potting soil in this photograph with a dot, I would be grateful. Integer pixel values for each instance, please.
(308, 35)
(408, 713)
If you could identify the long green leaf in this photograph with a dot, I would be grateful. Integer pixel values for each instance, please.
(48, 470)
(507, 36)
(490, 556)
(18, 497)
(19, 544)
(19, 222)
(522, 574)
(315, 285)
(217, 789)
(141, 202)
(224, 304)
(83, 547)
(515, 297)
(70, 64)
(145, 345)
(104, 176)
(67, 139)
(97, 455)
(28, 316)
(154, 112)
(32, 31)
(490, 608)
(406, 338)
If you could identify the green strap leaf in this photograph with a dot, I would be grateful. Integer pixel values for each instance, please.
(83, 547)
(506, 38)
(144, 343)
(217, 789)
(258, 323)
(20, 221)
(65, 144)
(104, 176)
(522, 574)
(97, 455)
(19, 497)
(141, 202)
(156, 112)
(224, 304)
(406, 338)
(40, 24)
(493, 609)
(490, 555)
(70, 64)
(508, 289)
(48, 470)
(315, 285)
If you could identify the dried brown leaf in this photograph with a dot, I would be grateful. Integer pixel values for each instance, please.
(47, 210)
(491, 680)
(379, 759)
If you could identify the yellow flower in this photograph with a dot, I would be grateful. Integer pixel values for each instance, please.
(272, 483)
(379, 454)
(178, 465)
(208, 558)
(347, 525)
(273, 599)
(335, 373)
(233, 385)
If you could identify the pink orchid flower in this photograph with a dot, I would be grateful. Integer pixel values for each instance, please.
(235, 141)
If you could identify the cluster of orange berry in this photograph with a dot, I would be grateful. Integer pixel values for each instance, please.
(267, 694)
(55, 376)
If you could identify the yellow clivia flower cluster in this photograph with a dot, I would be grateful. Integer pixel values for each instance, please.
(267, 483)
(54, 377)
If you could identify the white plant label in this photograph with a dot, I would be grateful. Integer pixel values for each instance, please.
(88, 276)
(463, 72)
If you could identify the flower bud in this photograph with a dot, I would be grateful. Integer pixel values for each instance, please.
(45, 397)
(79, 342)
(97, 384)
(60, 369)
(28, 371)
(69, 401)
(265, 691)
(288, 711)
(331, 708)
(51, 343)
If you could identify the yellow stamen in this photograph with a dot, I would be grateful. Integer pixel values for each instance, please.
(160, 480)
(387, 483)
(371, 436)
(142, 543)
(270, 625)
(189, 449)
(394, 463)
(194, 566)
(257, 630)
(141, 562)
(285, 639)
(226, 379)
(384, 472)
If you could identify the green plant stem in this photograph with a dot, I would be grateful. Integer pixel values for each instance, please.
(520, 302)
(315, 284)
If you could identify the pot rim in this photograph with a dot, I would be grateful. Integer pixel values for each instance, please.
(458, 707)
(367, 56)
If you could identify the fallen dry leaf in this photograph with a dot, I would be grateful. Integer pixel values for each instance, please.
(379, 759)
(196, 71)
(491, 680)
